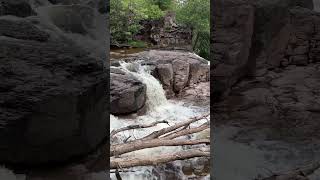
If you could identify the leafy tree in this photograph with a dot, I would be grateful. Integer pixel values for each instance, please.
(125, 16)
(196, 13)
(164, 4)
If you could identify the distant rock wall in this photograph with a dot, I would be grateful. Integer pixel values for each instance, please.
(165, 33)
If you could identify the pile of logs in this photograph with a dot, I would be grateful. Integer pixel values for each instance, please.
(168, 136)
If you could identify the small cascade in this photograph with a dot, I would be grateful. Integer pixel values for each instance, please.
(155, 94)
(7, 174)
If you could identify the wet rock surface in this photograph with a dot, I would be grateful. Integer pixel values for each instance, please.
(188, 69)
(127, 93)
(285, 100)
(282, 93)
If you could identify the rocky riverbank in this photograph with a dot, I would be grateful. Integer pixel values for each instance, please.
(265, 81)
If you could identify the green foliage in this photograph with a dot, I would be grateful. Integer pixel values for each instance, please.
(164, 4)
(125, 16)
(196, 13)
(137, 44)
(202, 44)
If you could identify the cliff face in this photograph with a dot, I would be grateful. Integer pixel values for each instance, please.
(165, 32)
(248, 35)
(274, 83)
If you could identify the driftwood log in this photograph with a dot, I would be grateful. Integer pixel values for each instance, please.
(164, 137)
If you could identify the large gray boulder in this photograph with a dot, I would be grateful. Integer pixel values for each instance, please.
(177, 70)
(127, 93)
(53, 102)
(181, 74)
(164, 72)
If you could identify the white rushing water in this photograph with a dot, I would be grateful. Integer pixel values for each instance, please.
(155, 94)
(316, 4)
(6, 174)
(159, 108)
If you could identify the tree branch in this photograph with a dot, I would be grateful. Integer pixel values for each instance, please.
(174, 127)
(187, 131)
(154, 160)
(116, 131)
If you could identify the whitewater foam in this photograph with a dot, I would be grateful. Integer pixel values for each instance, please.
(6, 174)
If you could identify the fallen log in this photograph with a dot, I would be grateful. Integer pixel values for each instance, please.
(174, 127)
(116, 131)
(116, 150)
(169, 136)
(155, 160)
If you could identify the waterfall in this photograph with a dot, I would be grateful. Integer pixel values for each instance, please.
(10, 175)
(159, 108)
(155, 94)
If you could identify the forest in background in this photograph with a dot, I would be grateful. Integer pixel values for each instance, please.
(126, 15)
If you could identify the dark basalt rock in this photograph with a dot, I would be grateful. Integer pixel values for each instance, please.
(21, 29)
(127, 93)
(53, 102)
(265, 26)
(20, 8)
